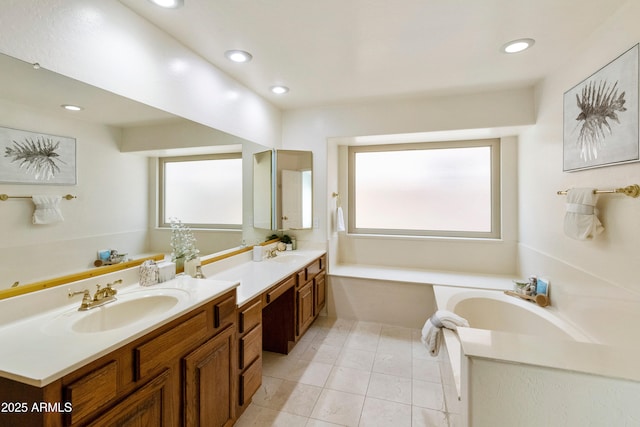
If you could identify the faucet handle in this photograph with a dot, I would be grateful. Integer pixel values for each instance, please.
(109, 290)
(85, 293)
(86, 297)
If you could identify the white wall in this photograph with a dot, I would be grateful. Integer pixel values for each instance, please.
(322, 130)
(105, 44)
(110, 210)
(380, 301)
(587, 277)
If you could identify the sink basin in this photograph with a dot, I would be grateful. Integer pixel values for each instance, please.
(116, 315)
(287, 258)
(128, 309)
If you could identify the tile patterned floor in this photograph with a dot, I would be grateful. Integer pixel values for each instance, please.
(351, 373)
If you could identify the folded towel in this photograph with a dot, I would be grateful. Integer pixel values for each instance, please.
(339, 219)
(581, 221)
(47, 209)
(432, 329)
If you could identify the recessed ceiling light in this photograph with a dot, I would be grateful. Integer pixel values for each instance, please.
(169, 4)
(72, 107)
(516, 46)
(238, 55)
(279, 90)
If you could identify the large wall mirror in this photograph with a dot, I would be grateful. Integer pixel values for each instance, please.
(117, 143)
(283, 190)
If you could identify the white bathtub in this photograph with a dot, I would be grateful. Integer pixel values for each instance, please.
(492, 310)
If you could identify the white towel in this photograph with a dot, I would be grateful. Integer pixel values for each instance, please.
(339, 219)
(432, 329)
(581, 218)
(47, 209)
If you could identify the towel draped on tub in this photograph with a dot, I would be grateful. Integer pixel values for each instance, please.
(432, 329)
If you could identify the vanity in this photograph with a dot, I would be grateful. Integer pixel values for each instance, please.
(184, 352)
(278, 299)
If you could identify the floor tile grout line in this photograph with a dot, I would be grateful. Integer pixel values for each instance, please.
(327, 329)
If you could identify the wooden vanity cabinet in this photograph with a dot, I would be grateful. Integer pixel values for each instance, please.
(319, 293)
(182, 373)
(148, 406)
(304, 305)
(249, 372)
(209, 382)
(310, 294)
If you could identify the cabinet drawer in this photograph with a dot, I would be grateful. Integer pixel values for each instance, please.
(92, 391)
(315, 267)
(224, 312)
(250, 381)
(151, 405)
(280, 288)
(302, 277)
(320, 289)
(250, 347)
(250, 316)
(164, 349)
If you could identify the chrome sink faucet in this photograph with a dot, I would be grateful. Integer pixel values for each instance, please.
(101, 297)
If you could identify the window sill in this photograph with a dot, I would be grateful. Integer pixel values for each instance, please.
(423, 238)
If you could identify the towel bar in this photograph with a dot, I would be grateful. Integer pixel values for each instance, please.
(630, 190)
(4, 197)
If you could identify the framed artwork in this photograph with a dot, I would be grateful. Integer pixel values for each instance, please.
(601, 116)
(36, 158)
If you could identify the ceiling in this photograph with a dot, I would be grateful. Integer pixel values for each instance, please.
(340, 51)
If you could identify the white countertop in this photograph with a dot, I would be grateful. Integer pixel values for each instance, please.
(33, 352)
(257, 276)
(38, 347)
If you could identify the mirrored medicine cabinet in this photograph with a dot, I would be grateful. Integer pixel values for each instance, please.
(283, 190)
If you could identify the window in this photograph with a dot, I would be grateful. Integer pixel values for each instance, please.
(449, 189)
(202, 191)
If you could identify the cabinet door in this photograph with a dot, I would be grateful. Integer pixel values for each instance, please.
(149, 406)
(304, 300)
(208, 382)
(320, 292)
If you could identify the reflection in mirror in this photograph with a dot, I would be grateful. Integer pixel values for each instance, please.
(283, 183)
(294, 183)
(263, 190)
(117, 144)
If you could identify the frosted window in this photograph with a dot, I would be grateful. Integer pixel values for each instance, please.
(203, 193)
(424, 191)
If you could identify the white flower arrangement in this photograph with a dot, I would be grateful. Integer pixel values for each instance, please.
(183, 244)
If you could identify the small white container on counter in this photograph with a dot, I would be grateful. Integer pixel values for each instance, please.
(166, 271)
(258, 253)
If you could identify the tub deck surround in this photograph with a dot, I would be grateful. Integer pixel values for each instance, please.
(543, 339)
(33, 353)
(583, 357)
(256, 277)
(421, 276)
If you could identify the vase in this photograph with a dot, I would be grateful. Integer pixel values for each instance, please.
(191, 266)
(179, 264)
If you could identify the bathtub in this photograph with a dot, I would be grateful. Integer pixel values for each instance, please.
(492, 310)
